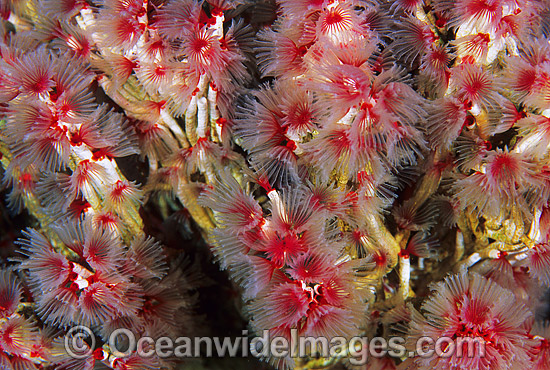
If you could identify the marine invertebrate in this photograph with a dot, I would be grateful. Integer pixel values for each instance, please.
(336, 157)
(472, 307)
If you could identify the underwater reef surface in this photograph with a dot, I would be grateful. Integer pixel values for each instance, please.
(292, 184)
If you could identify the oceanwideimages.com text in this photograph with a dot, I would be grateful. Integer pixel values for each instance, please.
(80, 341)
